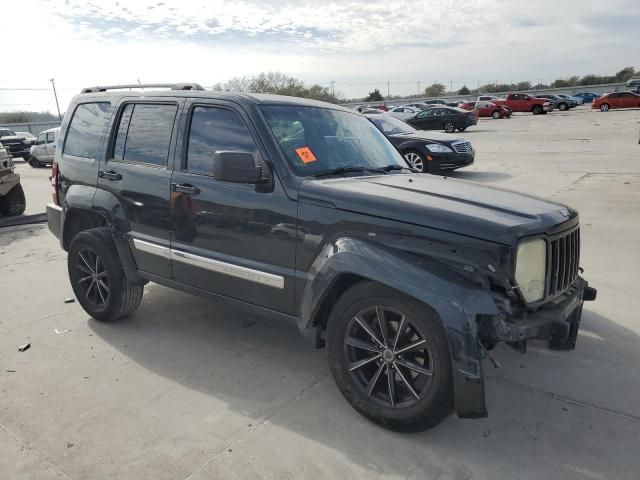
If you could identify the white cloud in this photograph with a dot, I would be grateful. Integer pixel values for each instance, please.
(82, 42)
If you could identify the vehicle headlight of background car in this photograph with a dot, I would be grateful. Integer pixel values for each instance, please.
(438, 148)
(531, 259)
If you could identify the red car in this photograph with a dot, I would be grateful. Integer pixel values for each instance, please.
(488, 109)
(616, 100)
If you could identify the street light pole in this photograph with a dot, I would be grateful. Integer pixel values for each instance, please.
(53, 83)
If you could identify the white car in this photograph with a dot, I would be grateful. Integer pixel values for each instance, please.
(403, 112)
(44, 148)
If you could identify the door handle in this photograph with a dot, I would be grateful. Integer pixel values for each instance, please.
(185, 188)
(110, 175)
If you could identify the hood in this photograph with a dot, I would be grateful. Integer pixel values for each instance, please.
(429, 136)
(457, 206)
(12, 140)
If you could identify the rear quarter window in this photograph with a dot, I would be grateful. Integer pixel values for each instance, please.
(86, 129)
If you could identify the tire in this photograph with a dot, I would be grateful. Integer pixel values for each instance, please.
(462, 129)
(416, 160)
(97, 277)
(13, 203)
(34, 162)
(604, 107)
(408, 392)
(496, 114)
(536, 110)
(563, 106)
(449, 127)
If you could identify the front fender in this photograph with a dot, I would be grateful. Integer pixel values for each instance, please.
(455, 299)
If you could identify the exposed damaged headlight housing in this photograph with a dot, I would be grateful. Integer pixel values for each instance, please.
(531, 261)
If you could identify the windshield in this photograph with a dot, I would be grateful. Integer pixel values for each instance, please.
(5, 132)
(391, 126)
(318, 140)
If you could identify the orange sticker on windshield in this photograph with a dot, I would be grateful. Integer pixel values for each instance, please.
(306, 155)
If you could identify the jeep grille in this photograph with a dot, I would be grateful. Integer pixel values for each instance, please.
(563, 262)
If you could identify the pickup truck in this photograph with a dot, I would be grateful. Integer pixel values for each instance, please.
(522, 102)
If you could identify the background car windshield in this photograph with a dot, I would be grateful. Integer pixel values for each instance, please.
(317, 140)
(391, 125)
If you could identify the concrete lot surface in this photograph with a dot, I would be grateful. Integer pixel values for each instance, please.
(190, 389)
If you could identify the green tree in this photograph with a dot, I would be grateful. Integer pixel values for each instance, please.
(374, 96)
(435, 90)
(464, 91)
(625, 74)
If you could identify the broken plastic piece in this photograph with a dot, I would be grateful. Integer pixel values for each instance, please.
(69, 300)
(24, 347)
(60, 332)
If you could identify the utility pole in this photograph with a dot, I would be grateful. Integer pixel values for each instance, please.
(333, 83)
(388, 89)
(53, 83)
(451, 85)
(418, 83)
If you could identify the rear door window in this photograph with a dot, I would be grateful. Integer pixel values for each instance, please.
(144, 133)
(86, 128)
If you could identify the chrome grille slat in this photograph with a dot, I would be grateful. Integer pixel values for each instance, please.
(564, 262)
(462, 147)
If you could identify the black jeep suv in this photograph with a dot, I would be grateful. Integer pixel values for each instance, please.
(304, 211)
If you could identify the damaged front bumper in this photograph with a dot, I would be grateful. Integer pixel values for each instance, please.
(557, 321)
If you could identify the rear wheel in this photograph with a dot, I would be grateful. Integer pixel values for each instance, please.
(13, 203)
(34, 162)
(97, 277)
(449, 127)
(416, 161)
(389, 356)
(604, 107)
(536, 110)
(563, 106)
(496, 114)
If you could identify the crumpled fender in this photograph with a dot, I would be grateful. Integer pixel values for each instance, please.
(453, 297)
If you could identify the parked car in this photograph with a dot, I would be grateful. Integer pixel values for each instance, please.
(426, 152)
(522, 102)
(12, 200)
(444, 118)
(577, 100)
(488, 109)
(403, 112)
(616, 100)
(559, 102)
(419, 106)
(407, 279)
(587, 97)
(28, 136)
(435, 101)
(633, 82)
(487, 98)
(17, 146)
(371, 111)
(44, 148)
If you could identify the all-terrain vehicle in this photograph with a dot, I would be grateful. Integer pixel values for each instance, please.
(304, 211)
(12, 201)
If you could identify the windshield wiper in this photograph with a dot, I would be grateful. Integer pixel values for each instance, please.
(341, 170)
(395, 166)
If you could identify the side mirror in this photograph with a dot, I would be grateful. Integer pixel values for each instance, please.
(238, 167)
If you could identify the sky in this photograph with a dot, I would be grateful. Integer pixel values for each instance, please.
(358, 44)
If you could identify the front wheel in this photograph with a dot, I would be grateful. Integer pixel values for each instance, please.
(604, 107)
(449, 127)
(496, 114)
(97, 277)
(34, 162)
(563, 106)
(389, 356)
(416, 161)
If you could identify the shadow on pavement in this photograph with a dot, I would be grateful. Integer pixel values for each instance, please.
(257, 365)
(475, 176)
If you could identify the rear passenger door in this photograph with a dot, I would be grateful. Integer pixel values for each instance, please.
(137, 171)
(51, 144)
(232, 239)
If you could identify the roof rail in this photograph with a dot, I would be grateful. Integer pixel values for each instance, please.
(172, 86)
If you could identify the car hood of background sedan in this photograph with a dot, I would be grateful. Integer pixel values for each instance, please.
(443, 203)
(429, 135)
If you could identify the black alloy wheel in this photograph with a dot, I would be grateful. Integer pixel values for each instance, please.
(449, 127)
(389, 357)
(93, 280)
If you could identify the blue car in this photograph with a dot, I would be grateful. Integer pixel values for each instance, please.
(587, 96)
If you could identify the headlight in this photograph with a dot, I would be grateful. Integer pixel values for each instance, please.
(437, 148)
(531, 262)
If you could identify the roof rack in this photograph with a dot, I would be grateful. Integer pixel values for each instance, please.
(172, 86)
